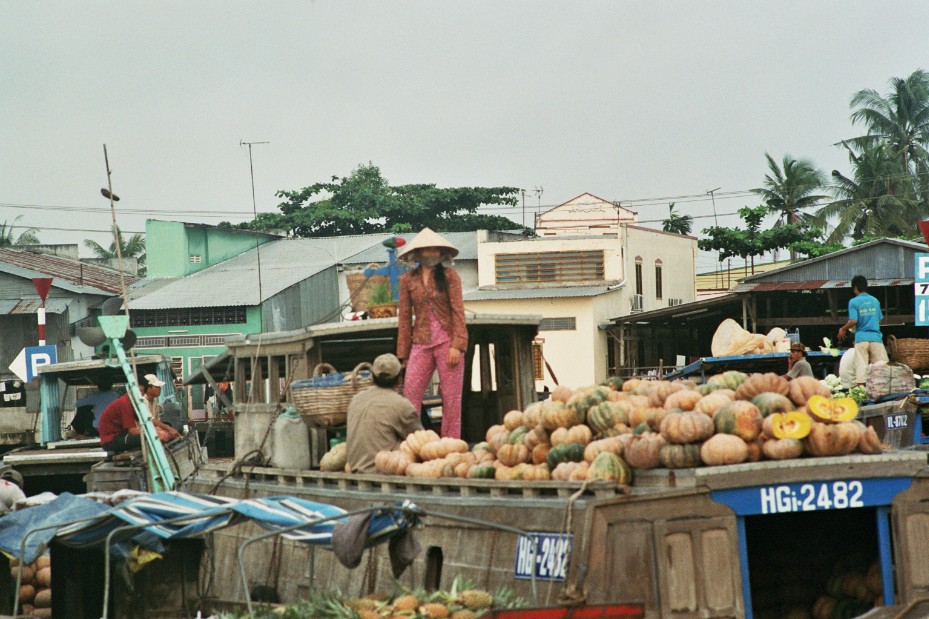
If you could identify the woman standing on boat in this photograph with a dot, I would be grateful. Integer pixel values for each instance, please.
(438, 338)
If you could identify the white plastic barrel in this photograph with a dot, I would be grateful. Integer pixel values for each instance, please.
(291, 447)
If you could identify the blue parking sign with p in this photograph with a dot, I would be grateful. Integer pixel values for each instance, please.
(921, 288)
(37, 356)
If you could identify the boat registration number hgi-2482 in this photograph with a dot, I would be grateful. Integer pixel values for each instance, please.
(550, 559)
(812, 496)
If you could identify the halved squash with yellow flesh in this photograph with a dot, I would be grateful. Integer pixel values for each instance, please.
(794, 424)
(832, 410)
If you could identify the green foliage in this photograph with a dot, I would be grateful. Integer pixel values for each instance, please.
(681, 224)
(364, 202)
(752, 240)
(8, 238)
(381, 295)
(791, 187)
(133, 248)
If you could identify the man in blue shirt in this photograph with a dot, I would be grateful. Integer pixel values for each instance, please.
(864, 313)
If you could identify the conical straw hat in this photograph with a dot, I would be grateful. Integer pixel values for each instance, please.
(428, 238)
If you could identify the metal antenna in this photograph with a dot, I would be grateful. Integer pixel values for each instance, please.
(710, 193)
(251, 169)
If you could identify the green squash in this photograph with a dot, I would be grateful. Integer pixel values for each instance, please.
(481, 471)
(605, 415)
(770, 402)
(610, 467)
(516, 436)
(685, 456)
(566, 452)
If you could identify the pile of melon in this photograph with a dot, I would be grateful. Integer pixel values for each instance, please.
(602, 432)
(35, 591)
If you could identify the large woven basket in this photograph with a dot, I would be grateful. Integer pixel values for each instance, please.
(913, 352)
(360, 286)
(323, 399)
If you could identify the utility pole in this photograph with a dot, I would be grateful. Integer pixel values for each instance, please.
(251, 169)
(711, 193)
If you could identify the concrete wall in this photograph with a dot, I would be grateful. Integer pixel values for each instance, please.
(177, 243)
(678, 255)
(585, 214)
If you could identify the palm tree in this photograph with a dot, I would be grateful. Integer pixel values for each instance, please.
(680, 224)
(790, 188)
(874, 201)
(27, 237)
(901, 119)
(133, 248)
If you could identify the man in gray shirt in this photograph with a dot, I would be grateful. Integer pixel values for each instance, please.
(797, 363)
(379, 418)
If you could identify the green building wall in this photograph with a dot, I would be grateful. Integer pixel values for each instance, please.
(177, 249)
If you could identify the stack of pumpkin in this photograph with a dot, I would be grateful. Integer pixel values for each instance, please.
(35, 592)
(599, 432)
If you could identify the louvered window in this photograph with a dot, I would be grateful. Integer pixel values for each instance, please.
(567, 323)
(188, 316)
(565, 266)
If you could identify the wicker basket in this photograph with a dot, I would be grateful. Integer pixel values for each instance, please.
(360, 286)
(913, 352)
(323, 399)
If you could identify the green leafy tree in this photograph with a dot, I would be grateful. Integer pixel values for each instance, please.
(752, 240)
(8, 237)
(874, 201)
(900, 119)
(364, 202)
(681, 224)
(791, 188)
(133, 248)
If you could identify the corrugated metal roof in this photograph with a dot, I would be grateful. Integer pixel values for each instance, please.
(815, 285)
(848, 262)
(68, 274)
(29, 306)
(235, 281)
(535, 293)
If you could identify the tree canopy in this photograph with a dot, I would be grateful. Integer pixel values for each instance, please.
(364, 202)
(676, 222)
(133, 248)
(8, 238)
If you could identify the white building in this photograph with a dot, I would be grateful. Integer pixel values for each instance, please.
(589, 263)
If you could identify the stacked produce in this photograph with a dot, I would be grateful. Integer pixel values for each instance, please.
(463, 601)
(603, 432)
(35, 591)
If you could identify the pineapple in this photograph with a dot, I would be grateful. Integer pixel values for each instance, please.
(406, 602)
(435, 610)
(476, 599)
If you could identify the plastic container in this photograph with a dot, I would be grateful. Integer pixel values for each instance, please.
(291, 442)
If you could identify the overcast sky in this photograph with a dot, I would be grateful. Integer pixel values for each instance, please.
(636, 101)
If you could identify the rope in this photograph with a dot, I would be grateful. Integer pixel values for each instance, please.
(574, 593)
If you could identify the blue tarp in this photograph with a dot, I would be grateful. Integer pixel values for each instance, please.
(197, 514)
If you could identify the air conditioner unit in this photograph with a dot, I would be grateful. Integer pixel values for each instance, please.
(673, 302)
(638, 303)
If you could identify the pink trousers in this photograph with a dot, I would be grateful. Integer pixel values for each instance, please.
(422, 363)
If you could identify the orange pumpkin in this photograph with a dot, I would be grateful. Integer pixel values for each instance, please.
(540, 453)
(642, 451)
(492, 431)
(417, 439)
(612, 445)
(686, 427)
(804, 387)
(392, 462)
(558, 415)
(709, 404)
(685, 399)
(755, 450)
(536, 436)
(532, 416)
(562, 393)
(434, 450)
(832, 410)
(783, 448)
(828, 439)
(511, 455)
(757, 384)
(660, 390)
(631, 384)
(723, 449)
(513, 420)
(564, 470)
(869, 442)
(741, 418)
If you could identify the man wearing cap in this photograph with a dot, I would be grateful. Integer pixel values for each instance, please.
(119, 429)
(797, 364)
(379, 418)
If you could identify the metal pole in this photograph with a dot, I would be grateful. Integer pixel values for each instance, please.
(251, 169)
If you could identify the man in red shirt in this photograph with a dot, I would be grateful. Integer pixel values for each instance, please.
(119, 429)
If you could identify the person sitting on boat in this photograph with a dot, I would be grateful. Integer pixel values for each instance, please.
(379, 418)
(119, 428)
(438, 338)
(797, 364)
